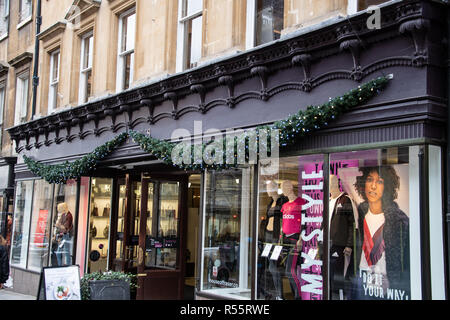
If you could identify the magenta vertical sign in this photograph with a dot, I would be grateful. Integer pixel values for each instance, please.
(311, 189)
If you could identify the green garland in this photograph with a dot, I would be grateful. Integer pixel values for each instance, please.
(291, 130)
(60, 173)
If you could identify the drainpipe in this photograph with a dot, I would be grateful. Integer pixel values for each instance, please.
(36, 58)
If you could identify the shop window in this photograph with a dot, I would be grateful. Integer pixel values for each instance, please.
(189, 34)
(269, 20)
(99, 223)
(125, 63)
(54, 81)
(64, 217)
(85, 89)
(373, 224)
(21, 103)
(22, 215)
(290, 230)
(40, 236)
(226, 252)
(164, 227)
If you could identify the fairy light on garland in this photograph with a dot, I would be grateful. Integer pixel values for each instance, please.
(291, 131)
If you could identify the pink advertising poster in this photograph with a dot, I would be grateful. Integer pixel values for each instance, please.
(311, 184)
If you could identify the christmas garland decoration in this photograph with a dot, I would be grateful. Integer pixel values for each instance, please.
(60, 173)
(210, 155)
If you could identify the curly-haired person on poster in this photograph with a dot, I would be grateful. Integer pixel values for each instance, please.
(383, 237)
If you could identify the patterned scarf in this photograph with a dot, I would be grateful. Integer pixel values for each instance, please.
(373, 246)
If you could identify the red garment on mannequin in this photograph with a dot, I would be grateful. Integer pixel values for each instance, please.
(292, 216)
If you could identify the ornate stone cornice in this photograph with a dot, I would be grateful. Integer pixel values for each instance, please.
(411, 18)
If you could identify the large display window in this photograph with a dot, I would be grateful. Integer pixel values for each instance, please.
(99, 223)
(226, 249)
(373, 224)
(22, 215)
(64, 211)
(40, 237)
(290, 230)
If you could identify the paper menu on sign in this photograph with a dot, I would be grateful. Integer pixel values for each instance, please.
(276, 252)
(266, 250)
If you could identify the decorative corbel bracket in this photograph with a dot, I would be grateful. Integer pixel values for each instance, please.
(418, 29)
(304, 60)
(228, 81)
(262, 73)
(108, 112)
(125, 107)
(200, 89)
(145, 102)
(354, 46)
(172, 96)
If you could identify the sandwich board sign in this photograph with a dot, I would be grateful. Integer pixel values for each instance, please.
(60, 283)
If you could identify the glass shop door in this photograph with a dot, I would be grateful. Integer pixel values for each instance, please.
(162, 235)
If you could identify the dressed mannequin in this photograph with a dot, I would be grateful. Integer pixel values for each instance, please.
(272, 232)
(291, 225)
(64, 226)
(341, 222)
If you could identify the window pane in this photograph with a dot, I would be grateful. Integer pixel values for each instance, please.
(55, 67)
(128, 32)
(269, 20)
(63, 219)
(193, 6)
(87, 54)
(22, 213)
(24, 98)
(88, 93)
(227, 225)
(40, 225)
(195, 45)
(128, 70)
(369, 223)
(99, 222)
(290, 209)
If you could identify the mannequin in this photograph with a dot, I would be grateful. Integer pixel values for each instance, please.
(341, 222)
(64, 226)
(291, 226)
(272, 232)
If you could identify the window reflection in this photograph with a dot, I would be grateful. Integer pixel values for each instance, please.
(227, 225)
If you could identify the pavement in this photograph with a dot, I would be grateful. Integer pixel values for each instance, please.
(9, 294)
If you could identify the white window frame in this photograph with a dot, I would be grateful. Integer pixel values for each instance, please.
(53, 82)
(182, 43)
(82, 94)
(5, 20)
(352, 7)
(250, 27)
(121, 55)
(21, 103)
